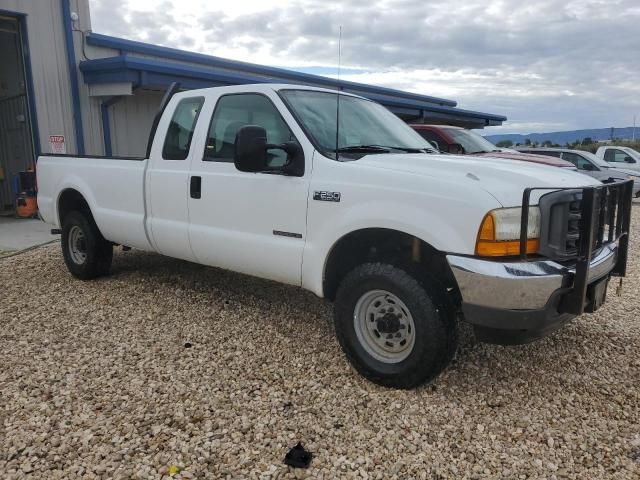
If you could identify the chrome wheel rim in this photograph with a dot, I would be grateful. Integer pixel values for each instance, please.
(384, 326)
(77, 245)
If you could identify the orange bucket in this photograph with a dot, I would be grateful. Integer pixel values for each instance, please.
(26, 206)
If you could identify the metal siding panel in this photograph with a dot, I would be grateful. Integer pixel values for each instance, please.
(130, 122)
(15, 155)
(48, 63)
(53, 98)
(90, 107)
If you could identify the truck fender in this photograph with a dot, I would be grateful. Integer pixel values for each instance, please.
(74, 182)
(406, 219)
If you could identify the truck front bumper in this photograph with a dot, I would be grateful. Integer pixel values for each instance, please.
(521, 301)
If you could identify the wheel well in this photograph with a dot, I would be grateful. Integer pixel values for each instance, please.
(389, 246)
(71, 200)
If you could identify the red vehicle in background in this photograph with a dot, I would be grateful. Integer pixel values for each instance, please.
(459, 141)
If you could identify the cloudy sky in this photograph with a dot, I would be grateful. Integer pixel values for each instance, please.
(548, 65)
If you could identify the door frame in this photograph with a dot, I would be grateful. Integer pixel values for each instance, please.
(32, 116)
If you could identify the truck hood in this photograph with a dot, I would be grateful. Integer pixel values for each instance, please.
(528, 157)
(505, 180)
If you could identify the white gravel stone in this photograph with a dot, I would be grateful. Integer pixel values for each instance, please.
(96, 382)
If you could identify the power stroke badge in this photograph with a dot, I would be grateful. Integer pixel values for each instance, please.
(326, 196)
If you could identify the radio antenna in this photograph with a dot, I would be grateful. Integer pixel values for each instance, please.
(338, 94)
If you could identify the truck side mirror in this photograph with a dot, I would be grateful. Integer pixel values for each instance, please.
(628, 159)
(295, 158)
(251, 149)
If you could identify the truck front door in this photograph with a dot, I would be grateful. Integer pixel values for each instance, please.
(248, 222)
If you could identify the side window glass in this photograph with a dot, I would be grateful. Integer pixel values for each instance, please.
(577, 160)
(615, 155)
(609, 155)
(232, 112)
(432, 137)
(619, 156)
(180, 132)
(570, 157)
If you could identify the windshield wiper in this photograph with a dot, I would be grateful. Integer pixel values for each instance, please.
(409, 149)
(363, 148)
(384, 149)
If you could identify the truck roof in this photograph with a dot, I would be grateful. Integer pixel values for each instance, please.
(263, 87)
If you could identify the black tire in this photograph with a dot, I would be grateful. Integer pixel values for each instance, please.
(98, 251)
(435, 339)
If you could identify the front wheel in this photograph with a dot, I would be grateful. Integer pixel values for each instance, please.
(86, 253)
(396, 331)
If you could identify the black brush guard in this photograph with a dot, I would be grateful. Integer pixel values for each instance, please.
(607, 205)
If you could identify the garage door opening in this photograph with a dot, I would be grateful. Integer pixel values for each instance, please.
(17, 152)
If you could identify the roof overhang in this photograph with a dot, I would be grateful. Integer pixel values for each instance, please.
(205, 71)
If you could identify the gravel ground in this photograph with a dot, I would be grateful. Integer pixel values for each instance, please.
(97, 381)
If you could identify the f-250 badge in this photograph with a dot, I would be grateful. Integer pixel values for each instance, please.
(326, 196)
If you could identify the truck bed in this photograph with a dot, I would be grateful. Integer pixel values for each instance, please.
(113, 187)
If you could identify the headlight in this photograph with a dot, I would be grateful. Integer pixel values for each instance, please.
(499, 234)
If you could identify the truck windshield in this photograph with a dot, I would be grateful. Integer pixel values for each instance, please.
(471, 141)
(598, 161)
(365, 127)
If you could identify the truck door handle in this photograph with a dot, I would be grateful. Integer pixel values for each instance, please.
(195, 188)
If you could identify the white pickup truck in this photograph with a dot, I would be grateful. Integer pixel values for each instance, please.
(263, 180)
(621, 157)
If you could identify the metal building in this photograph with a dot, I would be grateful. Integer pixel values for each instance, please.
(66, 89)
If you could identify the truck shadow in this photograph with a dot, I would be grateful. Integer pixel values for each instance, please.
(224, 289)
(308, 322)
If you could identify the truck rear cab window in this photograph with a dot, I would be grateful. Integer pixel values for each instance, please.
(180, 131)
(615, 155)
(234, 111)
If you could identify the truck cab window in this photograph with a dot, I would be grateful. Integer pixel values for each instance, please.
(180, 131)
(232, 112)
(580, 162)
(546, 153)
(615, 155)
(433, 138)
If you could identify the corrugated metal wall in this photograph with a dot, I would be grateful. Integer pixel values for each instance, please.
(90, 106)
(130, 118)
(15, 152)
(49, 66)
(130, 121)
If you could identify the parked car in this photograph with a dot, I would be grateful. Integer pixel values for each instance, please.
(625, 157)
(248, 178)
(456, 140)
(589, 164)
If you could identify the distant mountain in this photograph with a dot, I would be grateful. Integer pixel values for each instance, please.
(562, 138)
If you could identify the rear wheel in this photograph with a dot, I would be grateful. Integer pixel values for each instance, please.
(396, 331)
(86, 253)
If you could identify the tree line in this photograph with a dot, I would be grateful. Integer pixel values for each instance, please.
(587, 144)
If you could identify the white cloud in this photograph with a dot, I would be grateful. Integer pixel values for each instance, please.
(547, 65)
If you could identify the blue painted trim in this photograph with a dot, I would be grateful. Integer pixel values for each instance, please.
(106, 129)
(31, 92)
(106, 126)
(157, 73)
(288, 76)
(31, 102)
(73, 77)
